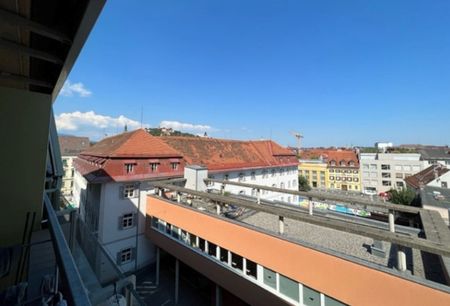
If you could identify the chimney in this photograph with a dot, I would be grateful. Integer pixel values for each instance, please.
(194, 176)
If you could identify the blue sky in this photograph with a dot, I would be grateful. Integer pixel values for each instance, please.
(340, 72)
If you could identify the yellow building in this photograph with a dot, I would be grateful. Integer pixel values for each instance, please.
(315, 171)
(331, 169)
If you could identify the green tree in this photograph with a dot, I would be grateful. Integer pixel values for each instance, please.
(402, 196)
(303, 184)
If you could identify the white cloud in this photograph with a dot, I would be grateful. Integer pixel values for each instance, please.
(187, 127)
(70, 89)
(93, 125)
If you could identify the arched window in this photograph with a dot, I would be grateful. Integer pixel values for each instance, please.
(342, 163)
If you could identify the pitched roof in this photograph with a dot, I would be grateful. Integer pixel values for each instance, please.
(425, 176)
(137, 143)
(329, 155)
(222, 154)
(72, 145)
(434, 153)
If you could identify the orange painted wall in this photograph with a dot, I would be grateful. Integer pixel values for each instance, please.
(344, 280)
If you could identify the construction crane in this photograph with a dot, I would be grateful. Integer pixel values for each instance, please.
(299, 137)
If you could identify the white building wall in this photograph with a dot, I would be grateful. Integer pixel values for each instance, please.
(443, 181)
(282, 177)
(380, 170)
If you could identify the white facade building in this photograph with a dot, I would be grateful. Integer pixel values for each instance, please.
(381, 172)
(279, 177)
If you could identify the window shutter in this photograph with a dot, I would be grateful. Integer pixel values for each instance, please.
(120, 227)
(121, 190)
(136, 190)
(119, 258)
(133, 254)
(135, 216)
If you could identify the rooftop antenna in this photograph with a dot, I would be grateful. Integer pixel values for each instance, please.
(299, 137)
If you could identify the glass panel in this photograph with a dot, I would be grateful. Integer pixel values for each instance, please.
(332, 302)
(289, 287)
(270, 278)
(251, 268)
(212, 249)
(224, 255)
(202, 244)
(311, 297)
(236, 261)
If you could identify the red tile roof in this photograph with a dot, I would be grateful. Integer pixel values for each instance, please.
(137, 143)
(425, 176)
(105, 161)
(72, 145)
(223, 154)
(329, 155)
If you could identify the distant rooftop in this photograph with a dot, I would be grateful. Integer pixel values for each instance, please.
(425, 176)
(435, 153)
(72, 145)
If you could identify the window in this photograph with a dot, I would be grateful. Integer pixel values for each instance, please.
(273, 172)
(386, 183)
(333, 163)
(72, 173)
(226, 176)
(270, 278)
(338, 178)
(193, 241)
(373, 167)
(251, 269)
(154, 167)
(332, 178)
(399, 175)
(282, 185)
(236, 261)
(332, 302)
(64, 162)
(224, 255)
(398, 167)
(355, 179)
(129, 168)
(281, 172)
(365, 166)
(399, 184)
(342, 163)
(407, 168)
(415, 168)
(155, 222)
(444, 185)
(385, 174)
(310, 297)
(385, 167)
(365, 174)
(351, 163)
(289, 287)
(253, 175)
(241, 177)
(264, 174)
(331, 170)
(129, 191)
(175, 232)
(125, 256)
(127, 221)
(202, 244)
(212, 249)
(294, 183)
(174, 166)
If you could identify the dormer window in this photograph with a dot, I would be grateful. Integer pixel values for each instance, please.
(351, 163)
(333, 163)
(342, 163)
(129, 168)
(241, 177)
(154, 167)
(174, 166)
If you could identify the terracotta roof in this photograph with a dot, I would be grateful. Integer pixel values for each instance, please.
(425, 176)
(222, 154)
(329, 155)
(72, 145)
(106, 160)
(137, 143)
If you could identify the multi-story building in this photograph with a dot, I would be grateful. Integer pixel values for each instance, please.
(314, 169)
(261, 162)
(436, 175)
(381, 172)
(341, 169)
(113, 178)
(70, 147)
